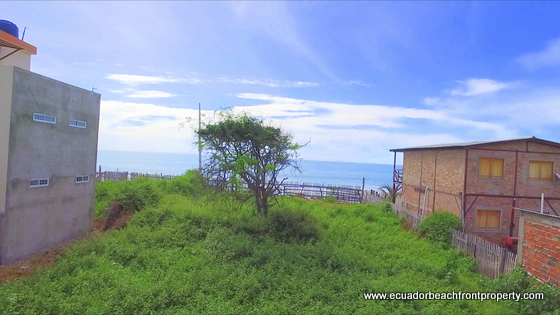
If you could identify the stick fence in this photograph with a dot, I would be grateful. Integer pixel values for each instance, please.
(492, 259)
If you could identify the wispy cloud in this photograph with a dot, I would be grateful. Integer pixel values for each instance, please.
(550, 56)
(131, 79)
(473, 87)
(265, 82)
(150, 94)
(127, 126)
(358, 132)
(134, 80)
(526, 110)
(312, 114)
(275, 20)
(356, 82)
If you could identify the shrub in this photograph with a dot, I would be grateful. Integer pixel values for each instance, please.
(438, 227)
(386, 206)
(518, 281)
(297, 225)
(133, 195)
(191, 183)
(105, 193)
(550, 305)
(139, 193)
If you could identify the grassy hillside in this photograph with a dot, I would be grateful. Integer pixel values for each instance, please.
(189, 251)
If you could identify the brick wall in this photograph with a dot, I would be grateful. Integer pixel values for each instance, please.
(488, 203)
(506, 186)
(442, 172)
(539, 246)
(532, 187)
(494, 186)
(412, 168)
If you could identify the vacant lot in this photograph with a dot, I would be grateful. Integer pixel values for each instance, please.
(191, 251)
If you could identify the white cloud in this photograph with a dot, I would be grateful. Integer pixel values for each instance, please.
(314, 115)
(266, 82)
(131, 79)
(548, 57)
(521, 112)
(150, 94)
(478, 86)
(431, 100)
(126, 126)
(361, 133)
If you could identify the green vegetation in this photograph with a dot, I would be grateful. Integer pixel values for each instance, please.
(438, 227)
(518, 281)
(145, 192)
(386, 206)
(191, 251)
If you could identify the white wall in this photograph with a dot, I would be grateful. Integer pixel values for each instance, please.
(20, 59)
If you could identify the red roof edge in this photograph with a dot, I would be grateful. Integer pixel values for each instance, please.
(16, 43)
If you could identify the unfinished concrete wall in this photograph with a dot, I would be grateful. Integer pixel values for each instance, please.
(6, 75)
(539, 246)
(39, 217)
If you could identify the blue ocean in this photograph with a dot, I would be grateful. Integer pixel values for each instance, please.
(316, 172)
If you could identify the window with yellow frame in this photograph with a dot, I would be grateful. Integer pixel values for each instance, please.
(488, 219)
(490, 168)
(541, 170)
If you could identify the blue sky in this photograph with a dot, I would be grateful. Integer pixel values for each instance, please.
(355, 79)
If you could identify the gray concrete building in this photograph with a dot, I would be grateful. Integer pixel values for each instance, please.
(48, 151)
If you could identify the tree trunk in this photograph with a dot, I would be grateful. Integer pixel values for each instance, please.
(261, 202)
(257, 201)
(264, 201)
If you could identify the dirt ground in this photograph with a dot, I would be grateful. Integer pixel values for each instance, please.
(30, 265)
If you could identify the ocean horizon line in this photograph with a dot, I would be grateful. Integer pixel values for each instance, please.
(196, 155)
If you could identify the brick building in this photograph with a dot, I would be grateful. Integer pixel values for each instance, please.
(484, 183)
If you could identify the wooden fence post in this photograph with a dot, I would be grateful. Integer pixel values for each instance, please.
(502, 262)
(363, 185)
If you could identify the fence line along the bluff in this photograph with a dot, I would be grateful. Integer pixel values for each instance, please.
(353, 194)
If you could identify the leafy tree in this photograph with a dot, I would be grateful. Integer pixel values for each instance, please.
(243, 149)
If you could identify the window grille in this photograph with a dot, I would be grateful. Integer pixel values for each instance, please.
(82, 179)
(44, 118)
(77, 123)
(39, 182)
